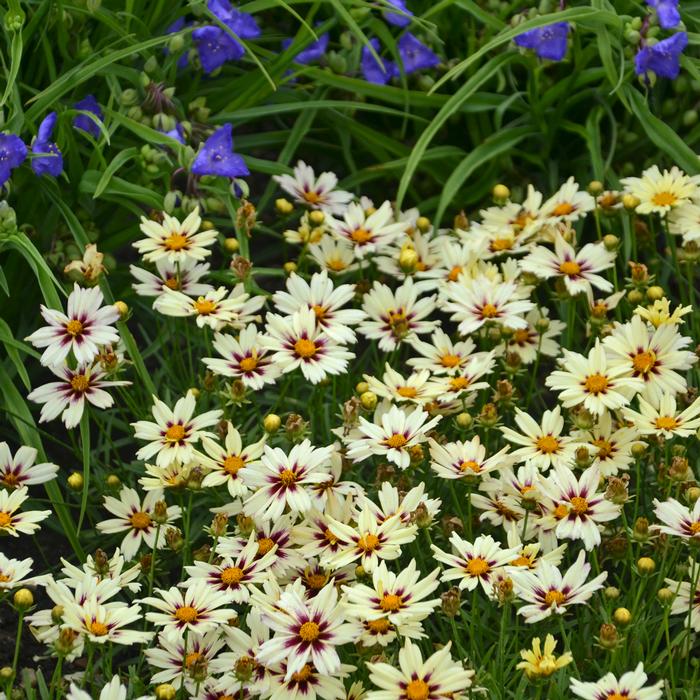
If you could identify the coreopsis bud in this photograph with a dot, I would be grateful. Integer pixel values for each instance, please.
(101, 562)
(630, 202)
(408, 259)
(246, 217)
(289, 267)
(503, 590)
(611, 242)
(504, 390)
(194, 391)
(452, 524)
(66, 640)
(368, 400)
(75, 481)
(646, 565)
(295, 426)
(463, 420)
(165, 691)
(583, 457)
(692, 494)
(160, 512)
(202, 553)
(231, 245)
(542, 324)
(489, 415)
(616, 490)
(416, 454)
(272, 423)
(241, 267)
(23, 599)
(122, 309)
(113, 481)
(421, 516)
(638, 449)
(174, 539)
(679, 469)
(638, 272)
(423, 224)
(608, 636)
(513, 362)
(622, 616)
(451, 602)
(640, 531)
(386, 472)
(361, 387)
(219, 525)
(195, 478)
(243, 669)
(616, 547)
(655, 293)
(582, 418)
(6, 673)
(500, 194)
(145, 562)
(245, 524)
(595, 187)
(284, 206)
(611, 593)
(57, 614)
(350, 413)
(461, 222)
(665, 595)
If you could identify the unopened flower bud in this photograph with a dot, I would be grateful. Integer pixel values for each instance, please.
(582, 418)
(692, 494)
(451, 602)
(284, 206)
(638, 449)
(611, 593)
(57, 614)
(317, 217)
(665, 595)
(174, 539)
(423, 224)
(66, 641)
(452, 524)
(408, 259)
(595, 187)
(616, 490)
(630, 202)
(231, 244)
(608, 636)
(622, 616)
(75, 481)
(246, 524)
(165, 691)
(289, 267)
(295, 426)
(241, 267)
(361, 387)
(634, 297)
(23, 598)
(6, 673)
(583, 457)
(679, 470)
(611, 242)
(461, 222)
(416, 454)
(421, 516)
(640, 531)
(202, 553)
(464, 420)
(122, 309)
(219, 525)
(500, 193)
(655, 293)
(542, 324)
(113, 481)
(646, 566)
(368, 400)
(243, 669)
(489, 415)
(272, 423)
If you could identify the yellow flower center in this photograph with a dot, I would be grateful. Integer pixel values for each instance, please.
(547, 444)
(666, 423)
(309, 631)
(9, 479)
(288, 477)
(605, 447)
(320, 312)
(664, 199)
(449, 360)
(80, 383)
(694, 527)
(175, 433)
(380, 626)
(408, 392)
(74, 327)
(186, 614)
(554, 597)
(172, 283)
(563, 209)
(470, 465)
(616, 696)
(417, 690)
(561, 511)
(596, 383)
(459, 383)
(368, 542)
(489, 311)
(248, 364)
(5, 519)
(192, 658)
(312, 197)
(176, 241)
(570, 267)
(478, 566)
(335, 264)
(330, 537)
(644, 362)
(99, 629)
(204, 306)
(305, 348)
(522, 335)
(315, 581)
(265, 544)
(498, 244)
(361, 235)
(522, 560)
(395, 441)
(232, 464)
(140, 520)
(231, 576)
(455, 272)
(391, 602)
(579, 505)
(4, 578)
(303, 675)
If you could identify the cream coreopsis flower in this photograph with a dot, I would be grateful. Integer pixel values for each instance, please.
(546, 592)
(659, 313)
(217, 308)
(514, 219)
(441, 355)
(684, 220)
(20, 470)
(465, 460)
(229, 459)
(182, 276)
(456, 259)
(543, 445)
(67, 397)
(307, 684)
(660, 192)
(542, 663)
(278, 480)
(318, 192)
(392, 434)
(656, 356)
(593, 381)
(332, 495)
(568, 204)
(245, 358)
(175, 241)
(577, 269)
(481, 300)
(325, 300)
(13, 573)
(610, 448)
(436, 678)
(298, 342)
(678, 520)
(306, 631)
(369, 234)
(172, 436)
(396, 317)
(631, 686)
(394, 502)
(397, 598)
(84, 327)
(585, 507)
(663, 418)
(530, 555)
(198, 609)
(113, 690)
(394, 387)
(136, 518)
(13, 522)
(101, 568)
(369, 541)
(89, 267)
(682, 604)
(334, 255)
(537, 339)
(456, 388)
(473, 563)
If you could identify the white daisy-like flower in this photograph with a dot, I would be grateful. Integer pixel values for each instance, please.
(229, 459)
(593, 381)
(136, 518)
(465, 460)
(514, 219)
(678, 520)
(245, 358)
(683, 603)
(325, 300)
(306, 684)
(531, 555)
(318, 192)
(481, 300)
(182, 276)
(684, 220)
(197, 608)
(441, 355)
(579, 270)
(436, 678)
(84, 327)
(528, 343)
(175, 241)
(368, 233)
(568, 204)
(453, 388)
(101, 568)
(660, 192)
(473, 563)
(13, 573)
(392, 434)
(13, 522)
(20, 470)
(662, 417)
(630, 686)
(546, 592)
(279, 480)
(67, 397)
(335, 256)
(611, 449)
(543, 445)
(298, 342)
(394, 387)
(113, 690)
(306, 632)
(172, 436)
(395, 317)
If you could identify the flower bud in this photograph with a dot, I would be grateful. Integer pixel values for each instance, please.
(174, 539)
(611, 242)
(272, 423)
(500, 193)
(646, 566)
(361, 387)
(595, 187)
(638, 449)
(246, 524)
(408, 259)
(284, 206)
(241, 267)
(611, 593)
(608, 636)
(75, 481)
(451, 602)
(616, 489)
(665, 595)
(113, 481)
(464, 420)
(635, 297)
(317, 217)
(423, 224)
(461, 222)
(219, 525)
(289, 267)
(6, 673)
(489, 415)
(421, 516)
(231, 244)
(622, 616)
(165, 691)
(368, 400)
(655, 293)
(692, 494)
(23, 598)
(202, 553)
(630, 202)
(57, 614)
(640, 531)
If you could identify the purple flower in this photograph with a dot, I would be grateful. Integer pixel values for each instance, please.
(216, 47)
(399, 20)
(667, 12)
(47, 164)
(178, 133)
(547, 42)
(12, 155)
(216, 156)
(415, 55)
(377, 72)
(241, 24)
(83, 122)
(313, 52)
(663, 58)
